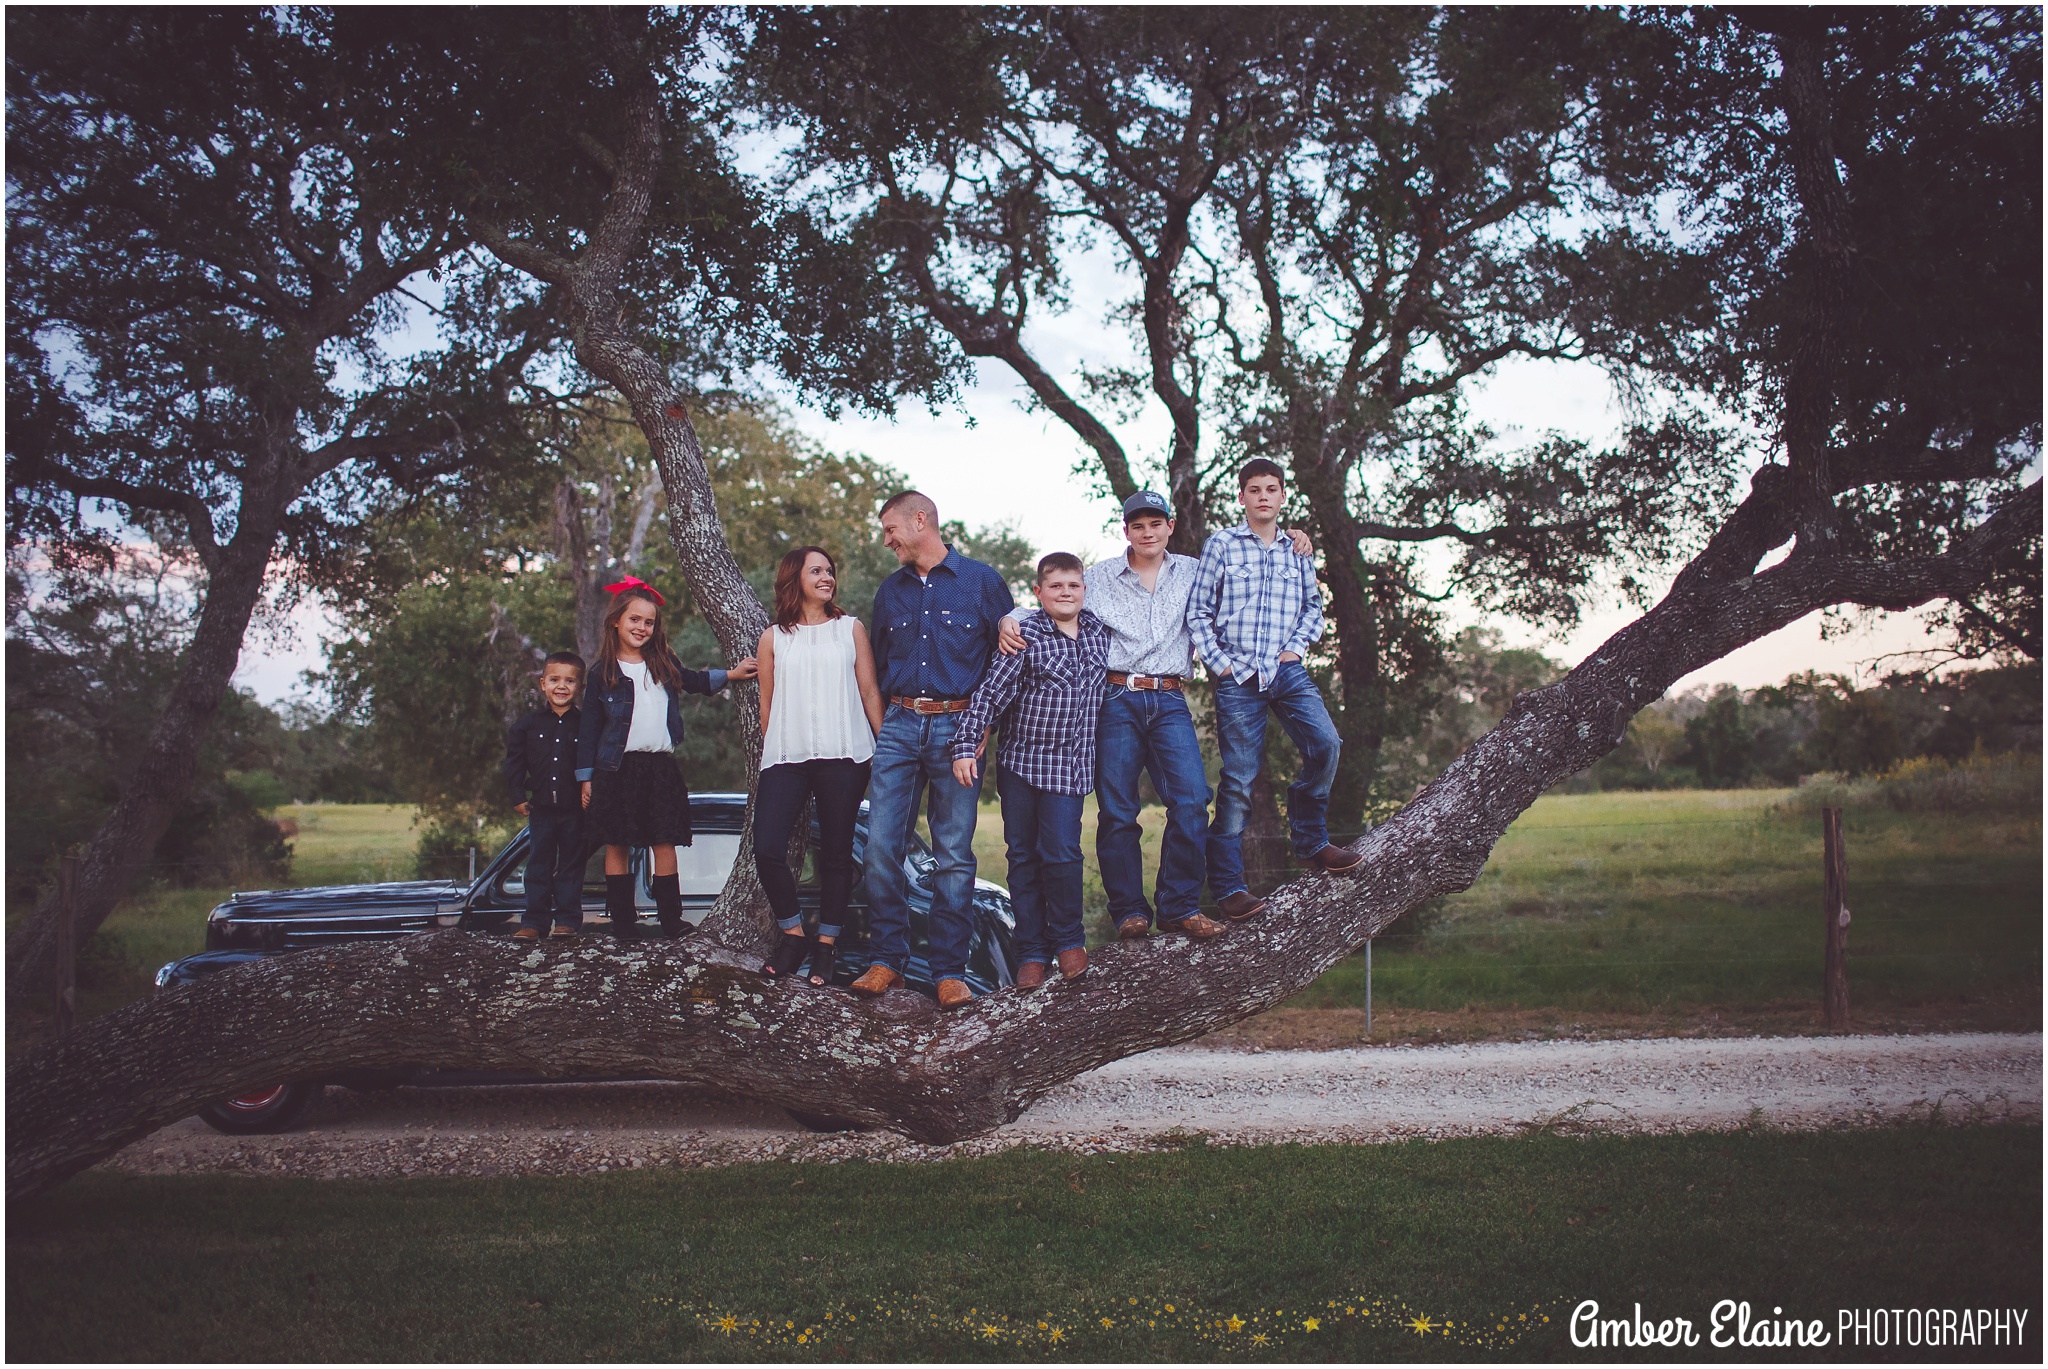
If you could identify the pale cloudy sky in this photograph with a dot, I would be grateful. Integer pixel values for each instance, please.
(990, 460)
(1014, 464)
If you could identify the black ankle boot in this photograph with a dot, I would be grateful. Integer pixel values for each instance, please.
(668, 905)
(618, 905)
(790, 950)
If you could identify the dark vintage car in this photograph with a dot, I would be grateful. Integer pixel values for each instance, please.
(251, 926)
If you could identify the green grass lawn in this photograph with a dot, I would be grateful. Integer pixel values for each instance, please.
(1316, 1253)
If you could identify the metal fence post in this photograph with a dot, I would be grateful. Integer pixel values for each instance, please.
(1368, 989)
(1835, 907)
(67, 943)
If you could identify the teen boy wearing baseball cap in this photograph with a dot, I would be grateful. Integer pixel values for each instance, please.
(1142, 596)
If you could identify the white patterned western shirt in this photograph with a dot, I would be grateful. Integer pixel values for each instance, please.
(1148, 629)
(1251, 603)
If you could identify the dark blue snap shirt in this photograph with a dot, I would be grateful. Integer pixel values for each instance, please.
(932, 638)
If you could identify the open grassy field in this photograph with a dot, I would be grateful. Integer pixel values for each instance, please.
(1656, 903)
(351, 843)
(336, 844)
(1683, 909)
(1447, 1250)
(1622, 912)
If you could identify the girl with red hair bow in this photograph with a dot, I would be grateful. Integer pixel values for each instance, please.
(633, 790)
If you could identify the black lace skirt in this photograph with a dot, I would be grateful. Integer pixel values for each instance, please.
(642, 803)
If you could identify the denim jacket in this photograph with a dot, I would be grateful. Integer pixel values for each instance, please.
(608, 717)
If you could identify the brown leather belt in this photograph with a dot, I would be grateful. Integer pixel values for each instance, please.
(1118, 677)
(932, 705)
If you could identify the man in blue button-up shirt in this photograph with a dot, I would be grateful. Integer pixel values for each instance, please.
(933, 628)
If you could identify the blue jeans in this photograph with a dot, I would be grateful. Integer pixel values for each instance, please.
(1043, 833)
(913, 756)
(554, 869)
(1149, 730)
(1241, 736)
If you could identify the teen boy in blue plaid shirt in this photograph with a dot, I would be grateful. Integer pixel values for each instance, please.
(1048, 697)
(1255, 609)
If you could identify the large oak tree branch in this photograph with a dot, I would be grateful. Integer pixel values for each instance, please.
(122, 844)
(1822, 273)
(990, 333)
(590, 290)
(700, 1015)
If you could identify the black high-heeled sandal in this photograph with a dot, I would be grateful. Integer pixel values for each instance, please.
(824, 957)
(789, 953)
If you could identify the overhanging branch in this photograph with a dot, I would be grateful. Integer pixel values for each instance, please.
(698, 1014)
(137, 495)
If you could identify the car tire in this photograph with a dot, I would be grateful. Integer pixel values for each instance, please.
(261, 1110)
(820, 1121)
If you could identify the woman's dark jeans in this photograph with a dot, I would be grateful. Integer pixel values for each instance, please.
(778, 800)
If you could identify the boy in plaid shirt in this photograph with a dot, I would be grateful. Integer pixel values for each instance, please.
(1254, 610)
(1049, 697)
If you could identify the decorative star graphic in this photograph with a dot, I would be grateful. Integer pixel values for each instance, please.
(989, 1332)
(1057, 1335)
(1312, 1324)
(728, 1323)
(1235, 1323)
(1422, 1325)
(1258, 1338)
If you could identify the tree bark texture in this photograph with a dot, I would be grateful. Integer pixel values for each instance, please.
(1354, 619)
(120, 848)
(592, 292)
(1822, 276)
(577, 536)
(697, 1013)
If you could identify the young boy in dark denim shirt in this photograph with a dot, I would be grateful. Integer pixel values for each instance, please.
(540, 770)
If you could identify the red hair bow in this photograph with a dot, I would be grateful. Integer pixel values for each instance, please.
(635, 582)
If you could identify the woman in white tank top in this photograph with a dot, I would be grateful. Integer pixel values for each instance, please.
(820, 711)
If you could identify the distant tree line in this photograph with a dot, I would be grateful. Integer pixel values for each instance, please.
(88, 661)
(1722, 737)
(1728, 738)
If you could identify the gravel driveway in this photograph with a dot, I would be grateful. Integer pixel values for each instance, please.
(1161, 1098)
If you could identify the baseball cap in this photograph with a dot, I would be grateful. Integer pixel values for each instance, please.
(1144, 502)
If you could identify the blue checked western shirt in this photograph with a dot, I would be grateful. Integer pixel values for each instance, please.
(1048, 697)
(1251, 603)
(932, 637)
